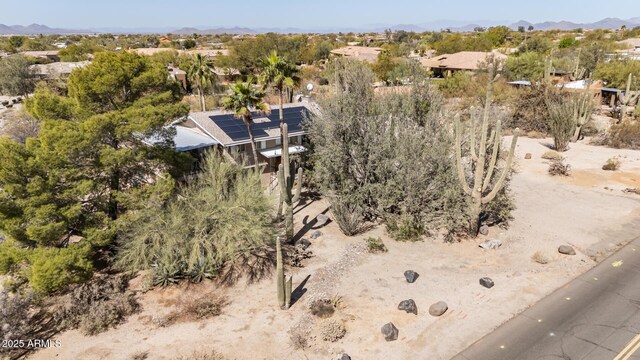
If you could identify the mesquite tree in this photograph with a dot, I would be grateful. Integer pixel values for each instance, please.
(483, 189)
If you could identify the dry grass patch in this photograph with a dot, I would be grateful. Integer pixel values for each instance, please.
(552, 155)
(193, 308)
(540, 257)
(201, 355)
(559, 168)
(332, 330)
(612, 164)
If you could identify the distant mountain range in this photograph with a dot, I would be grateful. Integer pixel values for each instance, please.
(456, 26)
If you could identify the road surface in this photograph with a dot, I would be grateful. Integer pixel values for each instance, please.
(594, 317)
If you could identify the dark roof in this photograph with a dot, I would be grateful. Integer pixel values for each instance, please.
(229, 130)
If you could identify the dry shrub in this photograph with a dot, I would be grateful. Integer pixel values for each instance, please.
(322, 308)
(612, 164)
(140, 355)
(299, 338)
(558, 167)
(540, 257)
(348, 216)
(624, 135)
(552, 155)
(194, 308)
(15, 319)
(96, 306)
(332, 330)
(201, 355)
(404, 228)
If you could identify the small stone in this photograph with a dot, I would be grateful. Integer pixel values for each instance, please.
(343, 357)
(486, 282)
(409, 306)
(321, 220)
(438, 308)
(303, 243)
(484, 230)
(411, 276)
(527, 156)
(316, 234)
(491, 244)
(566, 250)
(390, 332)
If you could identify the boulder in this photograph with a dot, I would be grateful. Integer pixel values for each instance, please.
(486, 282)
(566, 250)
(321, 220)
(484, 230)
(411, 276)
(409, 306)
(438, 308)
(303, 243)
(491, 244)
(527, 156)
(389, 331)
(316, 234)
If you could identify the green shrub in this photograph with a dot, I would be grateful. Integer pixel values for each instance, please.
(404, 228)
(53, 268)
(561, 122)
(375, 245)
(348, 216)
(221, 216)
(612, 164)
(11, 256)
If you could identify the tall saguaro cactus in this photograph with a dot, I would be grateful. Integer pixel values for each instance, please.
(628, 98)
(283, 284)
(286, 181)
(481, 191)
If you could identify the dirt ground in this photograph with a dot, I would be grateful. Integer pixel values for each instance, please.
(588, 210)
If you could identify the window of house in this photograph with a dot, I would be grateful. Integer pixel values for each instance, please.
(278, 141)
(262, 145)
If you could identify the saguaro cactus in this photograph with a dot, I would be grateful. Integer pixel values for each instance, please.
(628, 98)
(283, 285)
(286, 181)
(480, 191)
(582, 110)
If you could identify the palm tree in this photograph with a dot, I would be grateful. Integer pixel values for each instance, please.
(200, 73)
(244, 97)
(280, 74)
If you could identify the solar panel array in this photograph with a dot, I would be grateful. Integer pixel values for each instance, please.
(237, 130)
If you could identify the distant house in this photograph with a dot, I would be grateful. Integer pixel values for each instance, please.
(232, 139)
(178, 75)
(207, 52)
(151, 51)
(631, 50)
(57, 70)
(446, 64)
(51, 55)
(362, 53)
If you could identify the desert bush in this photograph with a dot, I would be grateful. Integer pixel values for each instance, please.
(558, 167)
(54, 268)
(15, 316)
(530, 112)
(332, 330)
(386, 155)
(561, 122)
(202, 355)
(193, 308)
(624, 135)
(220, 217)
(404, 228)
(375, 245)
(11, 256)
(552, 155)
(322, 308)
(348, 216)
(540, 257)
(498, 211)
(612, 164)
(299, 338)
(97, 305)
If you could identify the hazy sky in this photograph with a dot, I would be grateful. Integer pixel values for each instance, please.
(300, 13)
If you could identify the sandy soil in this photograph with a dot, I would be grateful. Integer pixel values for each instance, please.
(587, 210)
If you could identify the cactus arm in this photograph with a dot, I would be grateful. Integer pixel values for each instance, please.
(280, 274)
(505, 172)
(494, 155)
(482, 151)
(472, 131)
(458, 146)
(287, 291)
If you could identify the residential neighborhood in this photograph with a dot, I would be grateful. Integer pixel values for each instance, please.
(331, 181)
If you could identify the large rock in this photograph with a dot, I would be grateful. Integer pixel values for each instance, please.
(566, 250)
(316, 234)
(411, 276)
(389, 331)
(409, 306)
(321, 220)
(491, 244)
(486, 282)
(303, 243)
(438, 308)
(484, 230)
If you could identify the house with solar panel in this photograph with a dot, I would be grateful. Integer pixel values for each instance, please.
(229, 135)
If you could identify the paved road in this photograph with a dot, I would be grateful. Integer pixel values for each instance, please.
(594, 317)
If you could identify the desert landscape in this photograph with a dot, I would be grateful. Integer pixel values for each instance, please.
(588, 210)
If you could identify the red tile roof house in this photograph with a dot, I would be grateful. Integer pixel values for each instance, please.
(446, 64)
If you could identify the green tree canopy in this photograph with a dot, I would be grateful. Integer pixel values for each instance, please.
(16, 75)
